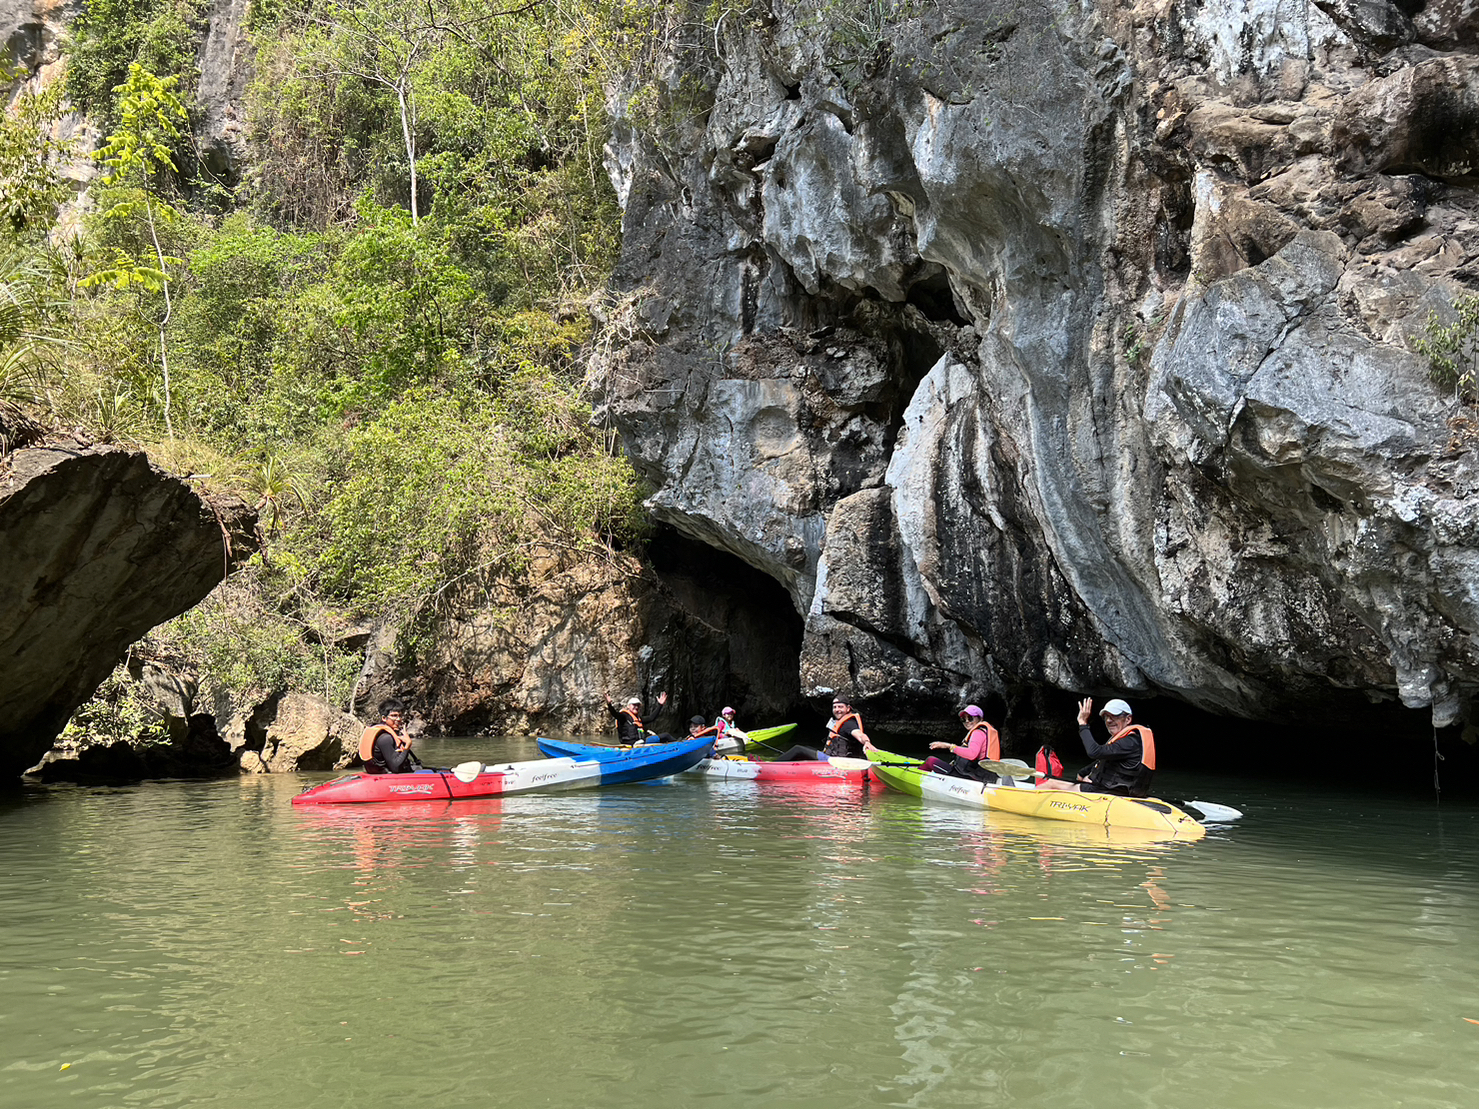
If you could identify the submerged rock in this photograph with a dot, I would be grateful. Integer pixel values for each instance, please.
(1058, 347)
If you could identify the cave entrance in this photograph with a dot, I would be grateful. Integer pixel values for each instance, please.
(728, 631)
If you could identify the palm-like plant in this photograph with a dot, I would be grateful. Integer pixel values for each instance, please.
(31, 331)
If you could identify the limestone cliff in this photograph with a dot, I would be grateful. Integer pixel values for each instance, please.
(1065, 346)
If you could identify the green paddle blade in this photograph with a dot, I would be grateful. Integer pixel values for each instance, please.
(762, 735)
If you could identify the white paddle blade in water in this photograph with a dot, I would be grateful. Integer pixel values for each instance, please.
(467, 772)
(1211, 811)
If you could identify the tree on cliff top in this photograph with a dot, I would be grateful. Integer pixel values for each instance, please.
(148, 126)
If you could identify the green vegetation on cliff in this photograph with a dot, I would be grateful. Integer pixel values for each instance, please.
(376, 338)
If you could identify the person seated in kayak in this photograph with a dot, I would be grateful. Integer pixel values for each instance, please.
(729, 739)
(384, 748)
(981, 742)
(629, 729)
(1124, 765)
(845, 737)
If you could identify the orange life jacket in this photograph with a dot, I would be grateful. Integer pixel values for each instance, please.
(1147, 743)
(993, 740)
(706, 731)
(367, 740)
(832, 729)
(631, 715)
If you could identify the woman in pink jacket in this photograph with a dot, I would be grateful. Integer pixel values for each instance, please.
(981, 742)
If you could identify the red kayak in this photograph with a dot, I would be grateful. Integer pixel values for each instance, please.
(473, 779)
(424, 785)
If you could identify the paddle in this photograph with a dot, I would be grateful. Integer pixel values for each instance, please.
(467, 772)
(1210, 811)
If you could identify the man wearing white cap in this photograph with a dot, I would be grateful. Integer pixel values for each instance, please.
(629, 729)
(1125, 764)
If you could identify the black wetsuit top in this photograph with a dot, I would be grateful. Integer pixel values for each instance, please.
(628, 733)
(1117, 767)
(843, 745)
(387, 760)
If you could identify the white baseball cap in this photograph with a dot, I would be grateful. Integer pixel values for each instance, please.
(1116, 708)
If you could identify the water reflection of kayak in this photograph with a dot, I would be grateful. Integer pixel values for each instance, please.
(1019, 796)
(732, 767)
(638, 764)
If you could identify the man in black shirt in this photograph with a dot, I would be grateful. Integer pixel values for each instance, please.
(1123, 765)
(384, 748)
(629, 729)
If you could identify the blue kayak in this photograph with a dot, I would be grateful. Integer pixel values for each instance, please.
(634, 764)
(563, 749)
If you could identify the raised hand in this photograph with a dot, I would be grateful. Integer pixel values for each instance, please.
(1085, 707)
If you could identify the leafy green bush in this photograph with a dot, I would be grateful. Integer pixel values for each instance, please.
(162, 36)
(1453, 348)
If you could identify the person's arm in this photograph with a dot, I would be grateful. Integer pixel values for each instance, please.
(853, 729)
(1126, 750)
(976, 748)
(651, 725)
(390, 753)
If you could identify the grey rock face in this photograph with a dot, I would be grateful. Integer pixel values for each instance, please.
(539, 658)
(97, 546)
(291, 732)
(225, 70)
(1067, 347)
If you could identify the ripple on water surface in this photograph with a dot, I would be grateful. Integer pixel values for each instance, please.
(728, 944)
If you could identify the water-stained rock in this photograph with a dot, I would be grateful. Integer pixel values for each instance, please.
(1139, 412)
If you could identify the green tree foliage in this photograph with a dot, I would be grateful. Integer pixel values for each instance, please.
(136, 154)
(160, 36)
(1453, 348)
(31, 186)
(378, 343)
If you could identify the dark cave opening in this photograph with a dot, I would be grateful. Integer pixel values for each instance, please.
(932, 296)
(729, 634)
(1391, 749)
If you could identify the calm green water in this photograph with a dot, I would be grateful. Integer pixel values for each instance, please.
(719, 945)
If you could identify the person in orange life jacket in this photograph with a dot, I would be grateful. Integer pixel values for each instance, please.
(629, 729)
(981, 742)
(384, 748)
(845, 737)
(1122, 766)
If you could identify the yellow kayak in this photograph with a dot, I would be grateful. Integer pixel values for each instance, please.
(1019, 795)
